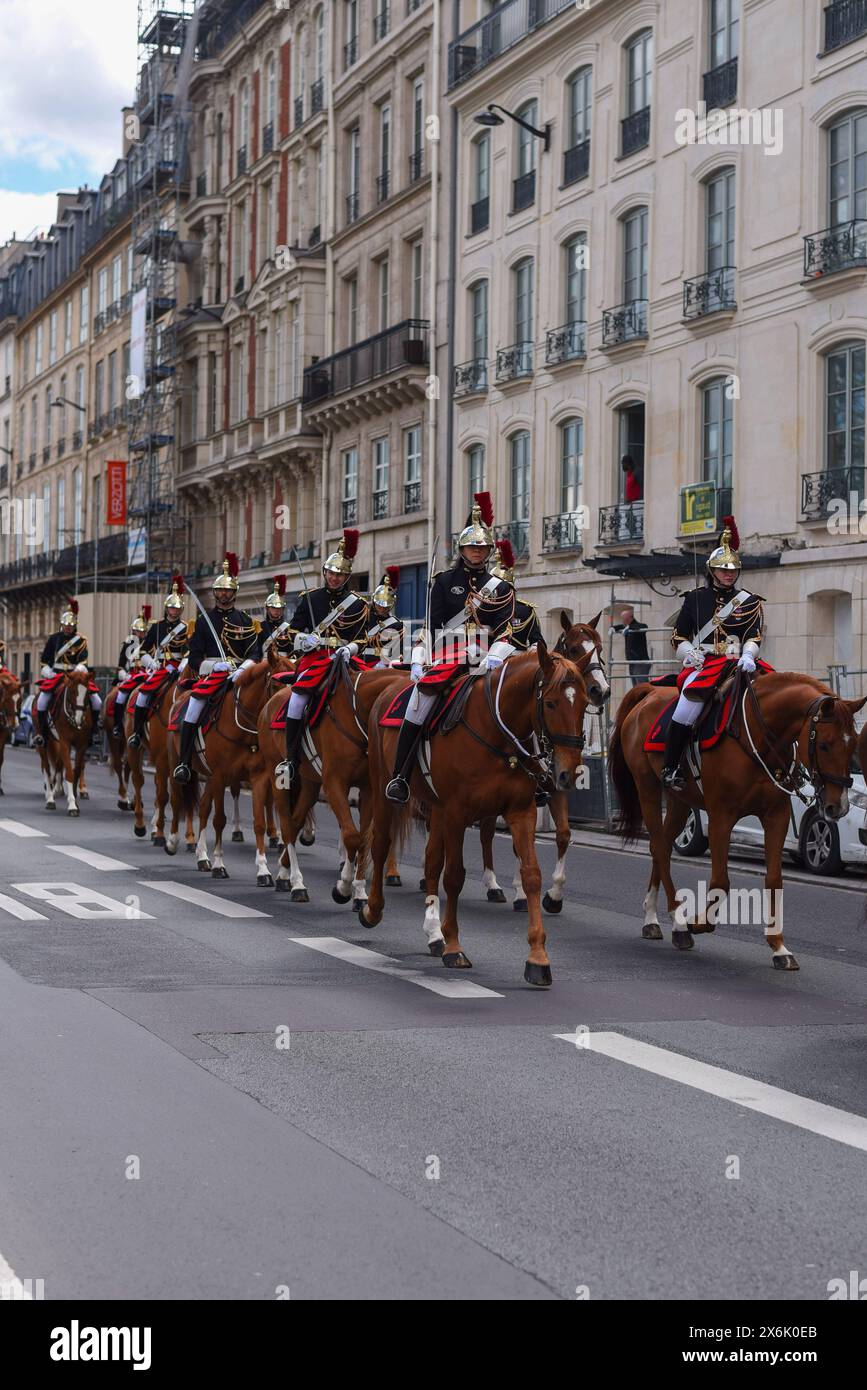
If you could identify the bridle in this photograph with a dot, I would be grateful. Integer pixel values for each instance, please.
(792, 775)
(584, 663)
(76, 718)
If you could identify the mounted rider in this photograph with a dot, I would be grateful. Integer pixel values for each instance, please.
(385, 633)
(163, 652)
(65, 650)
(716, 625)
(467, 604)
(130, 669)
(328, 619)
(225, 627)
(276, 631)
(525, 629)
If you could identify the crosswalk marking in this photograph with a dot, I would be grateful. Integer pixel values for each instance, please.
(450, 986)
(85, 904)
(22, 830)
(223, 906)
(20, 910)
(744, 1091)
(90, 856)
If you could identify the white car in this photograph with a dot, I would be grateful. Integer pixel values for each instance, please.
(818, 845)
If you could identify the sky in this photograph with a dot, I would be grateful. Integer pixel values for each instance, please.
(68, 66)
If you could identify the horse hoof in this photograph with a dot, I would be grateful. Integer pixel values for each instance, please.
(121, 805)
(50, 806)
(437, 947)
(273, 842)
(282, 885)
(191, 849)
(204, 866)
(307, 840)
(159, 841)
(300, 895)
(519, 905)
(785, 963)
(84, 796)
(220, 871)
(237, 837)
(73, 811)
(552, 904)
(496, 895)
(359, 904)
(422, 885)
(170, 849)
(651, 931)
(393, 881)
(140, 831)
(264, 881)
(340, 897)
(456, 960)
(682, 940)
(539, 975)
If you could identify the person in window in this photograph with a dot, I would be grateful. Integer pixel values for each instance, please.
(633, 481)
(636, 645)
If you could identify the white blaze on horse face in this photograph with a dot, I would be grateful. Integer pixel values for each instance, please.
(569, 692)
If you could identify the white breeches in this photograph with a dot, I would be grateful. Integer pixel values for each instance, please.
(43, 699)
(420, 705)
(194, 710)
(141, 700)
(687, 711)
(298, 703)
(121, 698)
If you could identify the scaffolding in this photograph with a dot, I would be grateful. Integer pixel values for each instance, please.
(158, 532)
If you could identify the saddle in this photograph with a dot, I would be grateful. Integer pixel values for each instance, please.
(212, 709)
(443, 717)
(709, 728)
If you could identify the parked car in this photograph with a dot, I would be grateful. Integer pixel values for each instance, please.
(23, 731)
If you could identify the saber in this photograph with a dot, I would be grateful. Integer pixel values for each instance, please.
(306, 590)
(210, 625)
(430, 579)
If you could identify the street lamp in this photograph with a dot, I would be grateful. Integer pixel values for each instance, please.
(488, 117)
(61, 401)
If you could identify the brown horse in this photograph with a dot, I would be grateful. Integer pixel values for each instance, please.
(231, 756)
(117, 752)
(62, 756)
(333, 758)
(10, 702)
(789, 728)
(483, 767)
(156, 747)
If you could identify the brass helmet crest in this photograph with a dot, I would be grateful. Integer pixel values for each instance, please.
(69, 616)
(478, 528)
(139, 625)
(385, 593)
(227, 578)
(174, 600)
(340, 562)
(277, 597)
(725, 556)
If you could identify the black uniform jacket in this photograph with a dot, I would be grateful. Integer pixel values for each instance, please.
(157, 632)
(74, 655)
(388, 636)
(526, 631)
(239, 644)
(449, 596)
(746, 622)
(128, 653)
(269, 627)
(351, 626)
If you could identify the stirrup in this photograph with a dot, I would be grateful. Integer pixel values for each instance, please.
(38, 741)
(133, 741)
(182, 774)
(117, 731)
(397, 790)
(673, 779)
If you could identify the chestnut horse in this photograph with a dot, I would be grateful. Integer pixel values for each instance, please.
(333, 756)
(789, 728)
(483, 768)
(156, 746)
(231, 756)
(62, 756)
(117, 752)
(10, 700)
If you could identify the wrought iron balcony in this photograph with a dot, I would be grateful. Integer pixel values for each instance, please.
(471, 377)
(625, 324)
(518, 532)
(380, 504)
(845, 21)
(819, 490)
(710, 293)
(299, 111)
(404, 345)
(499, 31)
(843, 247)
(416, 165)
(349, 511)
(524, 191)
(621, 525)
(382, 186)
(381, 23)
(316, 97)
(480, 216)
(201, 185)
(563, 532)
(514, 362)
(576, 163)
(635, 132)
(566, 344)
(241, 160)
(412, 497)
(352, 204)
(720, 86)
(350, 53)
(268, 137)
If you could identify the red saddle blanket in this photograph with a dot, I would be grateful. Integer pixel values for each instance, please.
(710, 726)
(326, 674)
(395, 713)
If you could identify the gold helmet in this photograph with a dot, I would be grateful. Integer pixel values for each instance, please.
(341, 561)
(385, 594)
(478, 529)
(504, 565)
(227, 579)
(174, 600)
(139, 625)
(277, 598)
(725, 556)
(69, 616)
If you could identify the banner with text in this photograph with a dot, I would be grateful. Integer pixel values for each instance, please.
(116, 492)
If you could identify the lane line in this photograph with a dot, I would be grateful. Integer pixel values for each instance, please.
(90, 856)
(23, 831)
(449, 988)
(20, 910)
(11, 1286)
(223, 906)
(825, 1120)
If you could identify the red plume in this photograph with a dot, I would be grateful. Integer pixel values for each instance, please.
(179, 580)
(507, 554)
(146, 611)
(486, 506)
(280, 584)
(393, 572)
(350, 544)
(729, 521)
(73, 605)
(233, 563)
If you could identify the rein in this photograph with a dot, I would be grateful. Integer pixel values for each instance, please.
(791, 775)
(536, 764)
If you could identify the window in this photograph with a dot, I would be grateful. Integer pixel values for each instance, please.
(61, 512)
(844, 411)
(723, 31)
(381, 460)
(244, 115)
(479, 328)
(98, 388)
(319, 44)
(580, 94)
(475, 472)
(278, 375)
(25, 359)
(519, 460)
(412, 469)
(571, 464)
(350, 486)
(384, 151)
(294, 352)
(576, 279)
(116, 273)
(34, 418)
(847, 168)
(79, 386)
(353, 160)
(124, 372)
(95, 495)
(67, 326)
(83, 312)
(416, 296)
(300, 68)
(77, 517)
(37, 361)
(270, 90)
(266, 220)
(523, 285)
(639, 72)
(130, 267)
(52, 338)
(418, 117)
(212, 393)
(112, 381)
(526, 141)
(716, 452)
(635, 256)
(48, 409)
(61, 428)
(46, 517)
(720, 220)
(102, 290)
(350, 52)
(480, 212)
(383, 294)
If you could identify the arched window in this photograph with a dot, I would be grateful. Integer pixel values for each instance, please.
(519, 490)
(579, 90)
(635, 126)
(475, 471)
(576, 288)
(635, 259)
(847, 169)
(480, 206)
(571, 463)
(844, 416)
(722, 31)
(479, 327)
(717, 430)
(319, 46)
(523, 282)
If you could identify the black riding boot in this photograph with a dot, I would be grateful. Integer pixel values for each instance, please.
(407, 741)
(183, 772)
(117, 727)
(287, 771)
(676, 740)
(36, 721)
(140, 719)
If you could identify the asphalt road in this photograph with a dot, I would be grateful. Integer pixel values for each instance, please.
(209, 1091)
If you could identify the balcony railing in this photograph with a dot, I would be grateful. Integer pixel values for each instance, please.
(381, 23)
(480, 213)
(562, 532)
(720, 86)
(499, 31)
(349, 511)
(201, 185)
(843, 247)
(416, 165)
(299, 111)
(412, 497)
(317, 99)
(566, 344)
(268, 137)
(625, 324)
(404, 345)
(622, 524)
(576, 163)
(382, 186)
(844, 21)
(4, 476)
(470, 377)
(518, 532)
(380, 504)
(818, 490)
(350, 53)
(241, 160)
(709, 294)
(635, 132)
(514, 362)
(524, 191)
(352, 204)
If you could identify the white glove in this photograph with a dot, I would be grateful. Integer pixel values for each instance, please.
(416, 671)
(349, 651)
(46, 672)
(307, 641)
(122, 674)
(81, 666)
(493, 663)
(147, 661)
(243, 667)
(497, 655)
(220, 666)
(690, 656)
(746, 662)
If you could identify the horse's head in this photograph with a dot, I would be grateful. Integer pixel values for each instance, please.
(827, 745)
(75, 702)
(582, 644)
(279, 661)
(561, 702)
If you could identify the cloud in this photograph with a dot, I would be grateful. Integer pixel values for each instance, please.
(23, 213)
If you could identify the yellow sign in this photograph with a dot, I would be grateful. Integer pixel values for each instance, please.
(697, 510)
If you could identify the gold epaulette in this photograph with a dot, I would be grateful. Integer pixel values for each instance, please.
(191, 627)
(257, 626)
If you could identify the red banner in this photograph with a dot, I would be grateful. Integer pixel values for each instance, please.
(116, 492)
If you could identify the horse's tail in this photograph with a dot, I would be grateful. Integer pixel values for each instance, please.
(629, 819)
